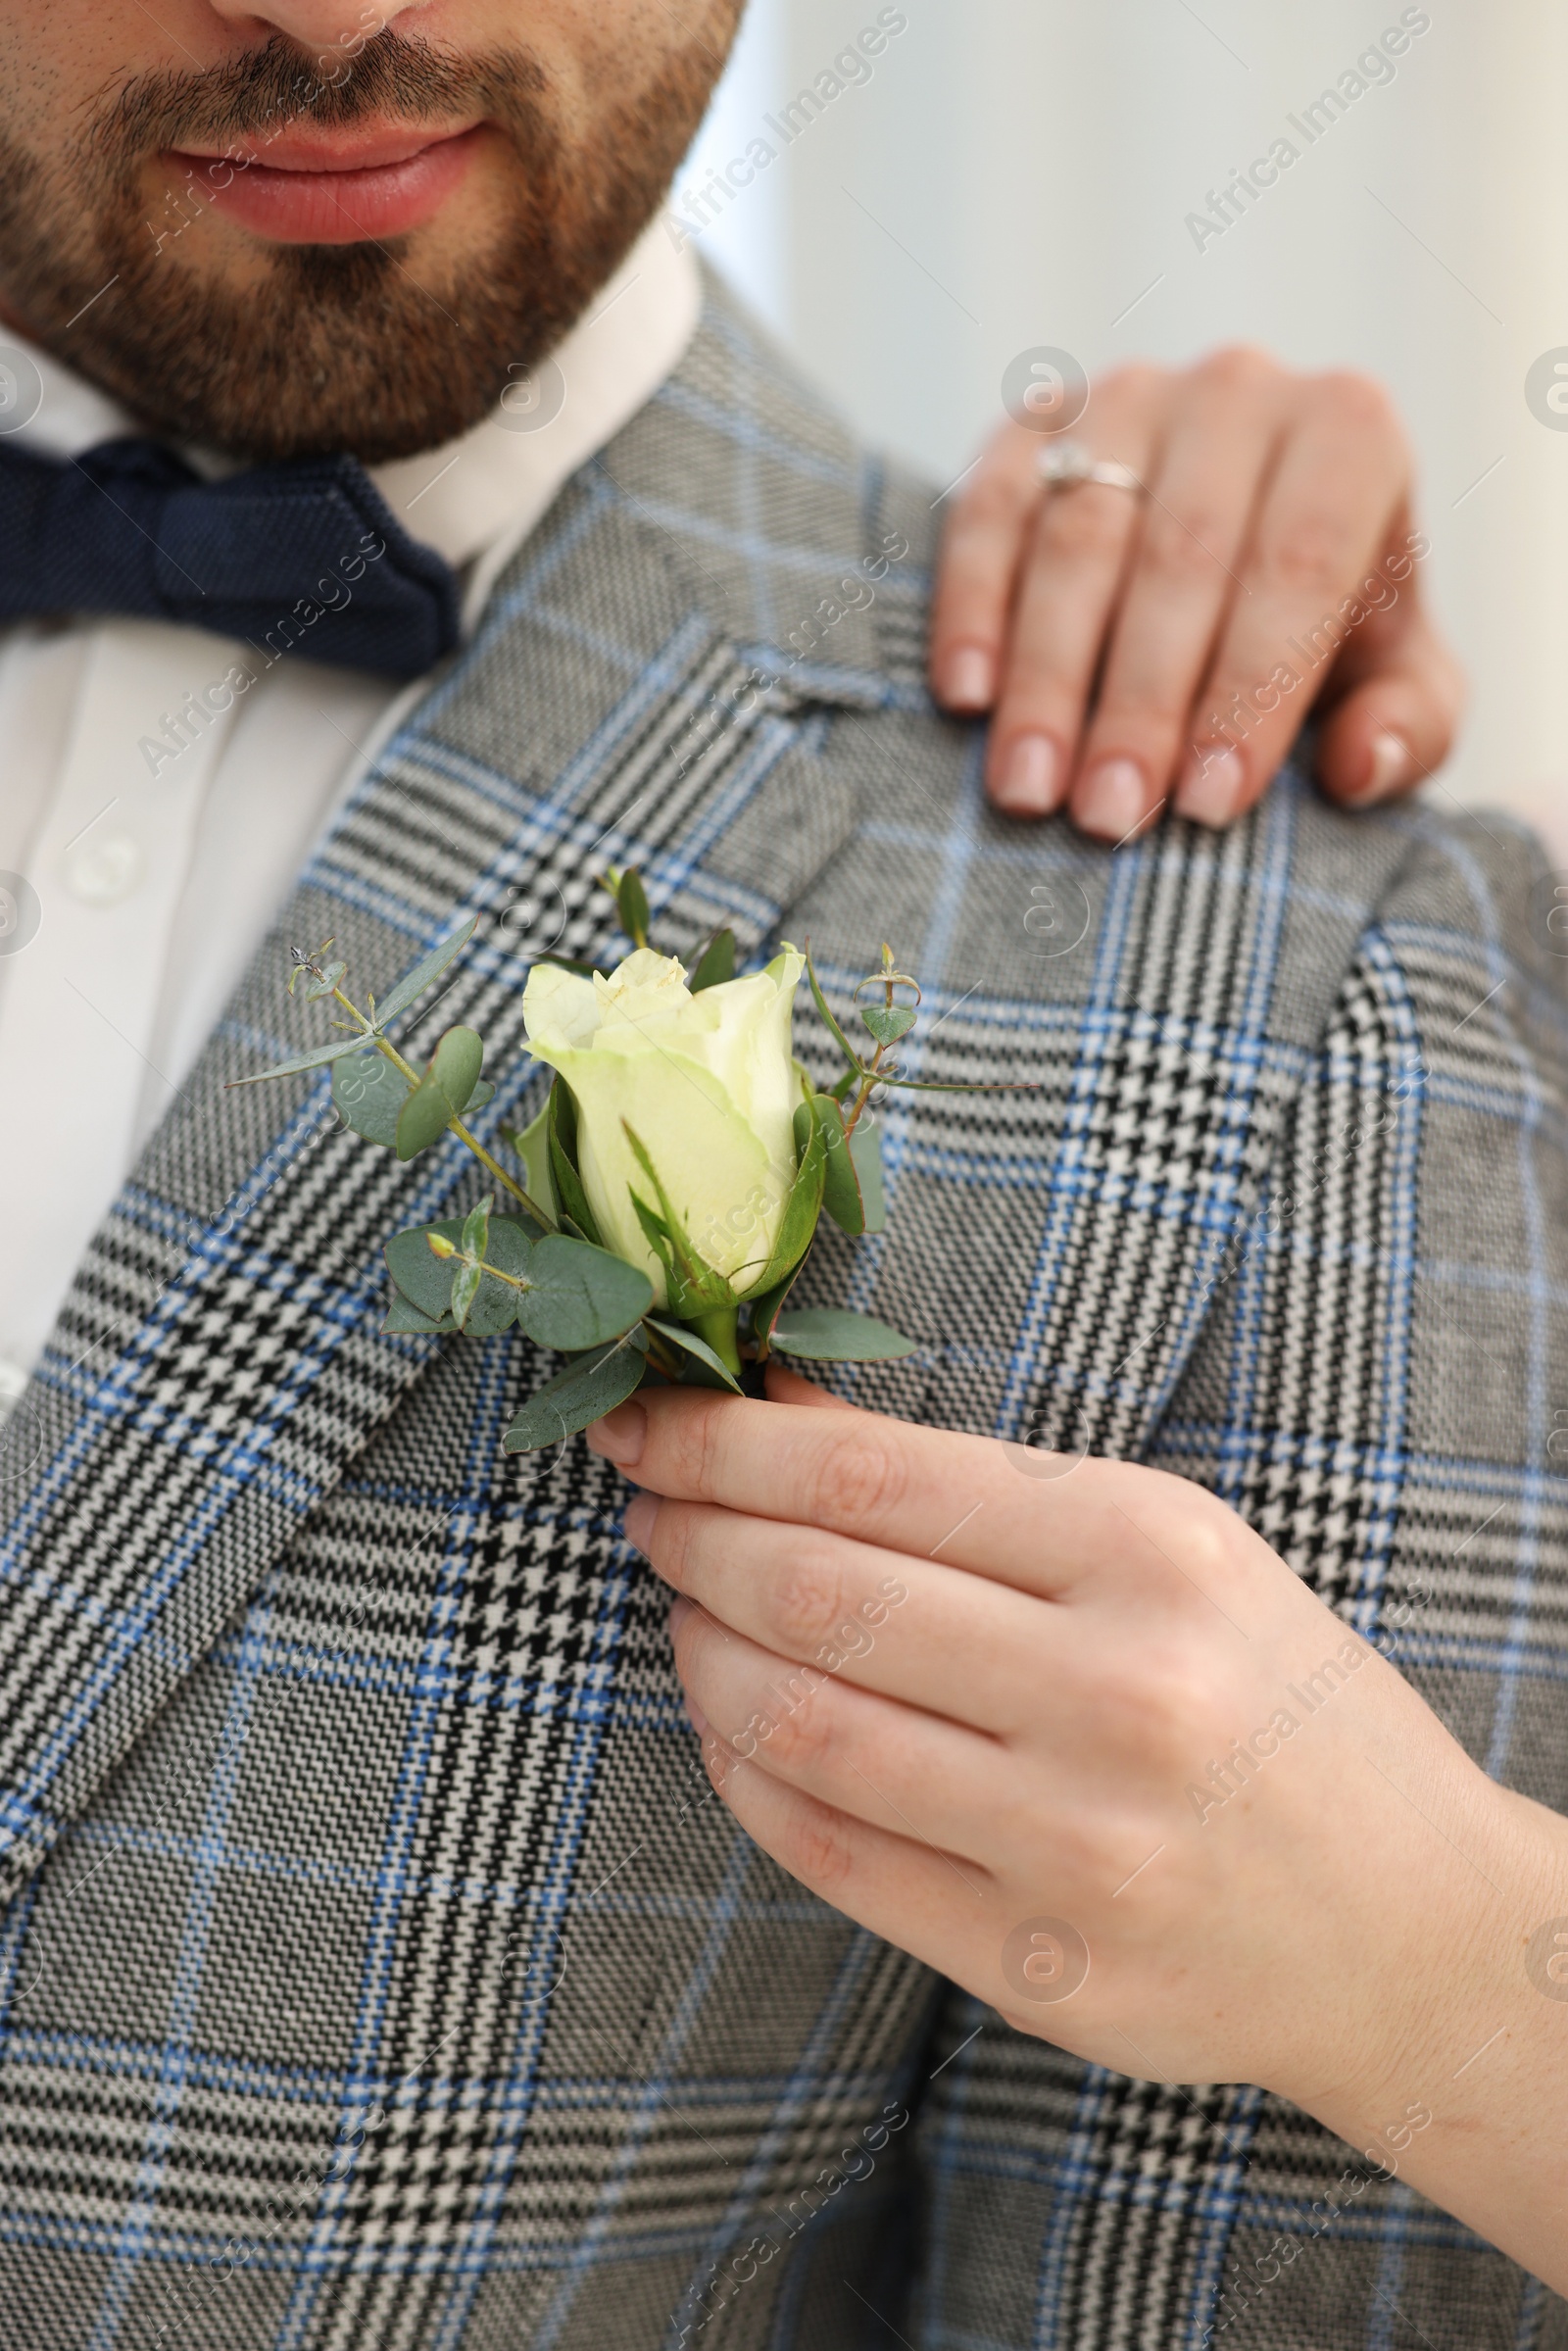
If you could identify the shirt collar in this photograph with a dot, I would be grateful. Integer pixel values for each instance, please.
(475, 499)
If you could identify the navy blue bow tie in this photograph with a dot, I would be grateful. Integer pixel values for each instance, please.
(305, 556)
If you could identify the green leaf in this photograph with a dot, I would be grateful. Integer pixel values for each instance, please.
(331, 977)
(865, 1149)
(403, 1316)
(476, 1226)
(961, 1084)
(716, 964)
(464, 1290)
(584, 971)
(694, 1285)
(454, 1066)
(841, 1183)
(532, 1147)
(631, 899)
(475, 1234)
(820, 1001)
(562, 1128)
(679, 1336)
(442, 1093)
(509, 1247)
(425, 1281)
(580, 1296)
(888, 1022)
(765, 1308)
(369, 1090)
(415, 980)
(804, 1204)
(316, 1059)
(832, 1334)
(588, 1387)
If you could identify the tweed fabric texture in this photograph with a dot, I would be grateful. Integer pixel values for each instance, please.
(378, 1968)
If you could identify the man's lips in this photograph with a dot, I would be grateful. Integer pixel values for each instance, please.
(314, 188)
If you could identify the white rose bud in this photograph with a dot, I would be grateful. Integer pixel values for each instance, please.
(708, 1085)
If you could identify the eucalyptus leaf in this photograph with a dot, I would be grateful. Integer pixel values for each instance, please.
(476, 1226)
(509, 1247)
(680, 1336)
(580, 1296)
(475, 1235)
(464, 1290)
(591, 1385)
(716, 964)
(888, 1022)
(425, 1281)
(454, 1066)
(316, 1059)
(841, 1182)
(865, 1149)
(403, 1317)
(422, 1120)
(833, 1335)
(429, 967)
(331, 977)
(369, 1090)
(442, 1093)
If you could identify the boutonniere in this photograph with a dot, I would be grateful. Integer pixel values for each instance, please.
(661, 1207)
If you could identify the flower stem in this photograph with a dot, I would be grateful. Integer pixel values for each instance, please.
(541, 1216)
(717, 1327)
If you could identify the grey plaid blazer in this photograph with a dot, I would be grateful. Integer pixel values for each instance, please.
(376, 1969)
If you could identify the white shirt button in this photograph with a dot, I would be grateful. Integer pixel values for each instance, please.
(102, 871)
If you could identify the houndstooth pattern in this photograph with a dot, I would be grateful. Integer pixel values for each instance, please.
(380, 1969)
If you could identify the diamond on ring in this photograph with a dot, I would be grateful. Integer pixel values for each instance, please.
(1066, 465)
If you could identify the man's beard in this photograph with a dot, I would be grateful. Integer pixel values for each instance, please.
(336, 347)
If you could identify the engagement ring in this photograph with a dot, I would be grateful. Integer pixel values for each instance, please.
(1067, 463)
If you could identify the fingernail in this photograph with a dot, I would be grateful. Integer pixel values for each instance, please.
(1391, 767)
(1113, 799)
(968, 678)
(619, 1435)
(1027, 782)
(638, 1523)
(1210, 791)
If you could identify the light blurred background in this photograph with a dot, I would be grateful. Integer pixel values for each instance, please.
(1018, 173)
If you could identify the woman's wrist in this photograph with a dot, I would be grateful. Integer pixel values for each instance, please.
(1458, 2085)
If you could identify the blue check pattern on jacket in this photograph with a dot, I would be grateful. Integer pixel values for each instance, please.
(377, 1968)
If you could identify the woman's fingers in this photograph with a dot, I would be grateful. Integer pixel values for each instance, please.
(1181, 580)
(951, 1644)
(1399, 697)
(1074, 561)
(892, 1765)
(982, 548)
(1324, 523)
(1137, 653)
(924, 1900)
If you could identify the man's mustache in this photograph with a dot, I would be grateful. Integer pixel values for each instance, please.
(261, 91)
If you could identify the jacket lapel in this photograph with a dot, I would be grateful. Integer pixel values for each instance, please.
(217, 1362)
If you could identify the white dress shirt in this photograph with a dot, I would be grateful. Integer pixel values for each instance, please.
(151, 881)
